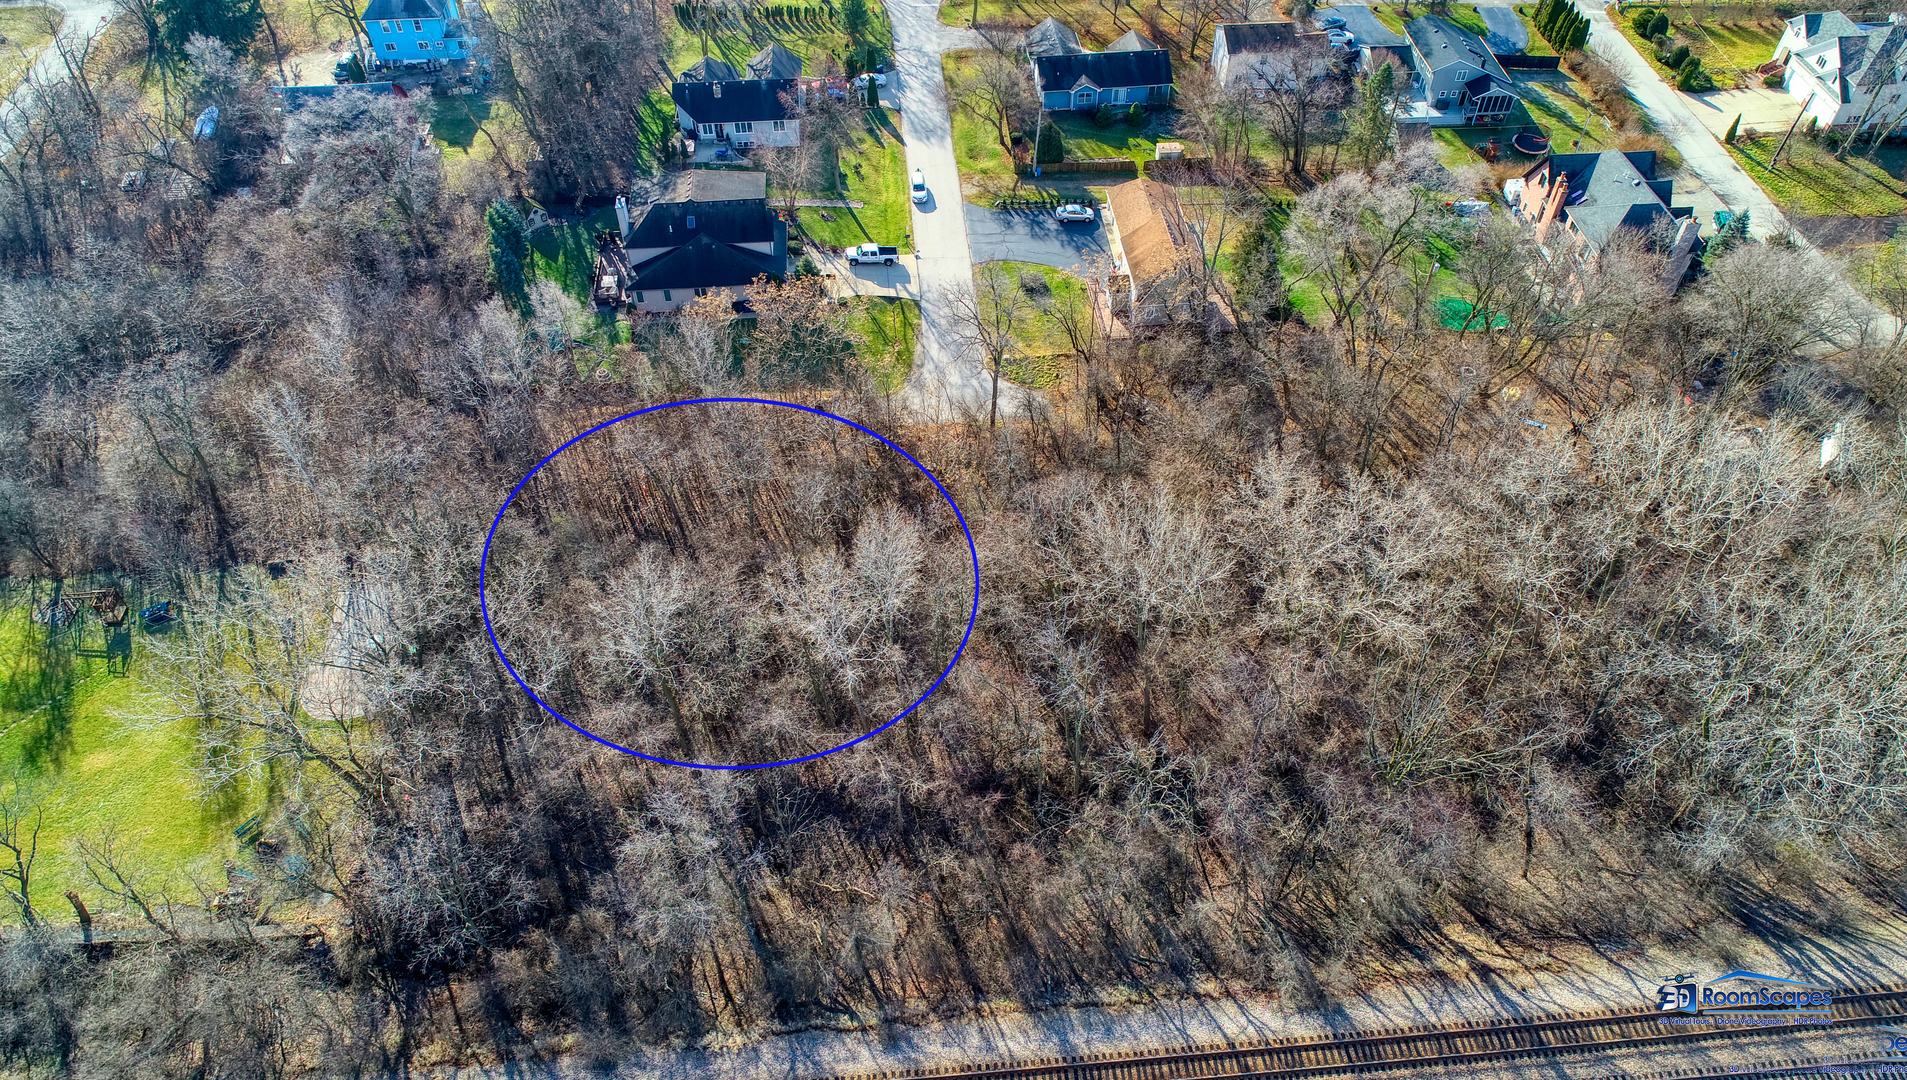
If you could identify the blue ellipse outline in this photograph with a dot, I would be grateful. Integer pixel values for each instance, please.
(483, 566)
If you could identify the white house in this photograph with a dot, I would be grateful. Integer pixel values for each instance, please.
(744, 112)
(710, 231)
(410, 32)
(1846, 74)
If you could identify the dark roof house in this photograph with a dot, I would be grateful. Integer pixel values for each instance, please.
(1052, 38)
(774, 62)
(1460, 80)
(1594, 195)
(728, 102)
(707, 263)
(710, 69)
(378, 10)
(709, 229)
(1085, 81)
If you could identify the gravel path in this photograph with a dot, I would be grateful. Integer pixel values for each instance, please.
(1485, 982)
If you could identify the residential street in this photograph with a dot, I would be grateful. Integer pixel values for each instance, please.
(1701, 150)
(948, 378)
(87, 16)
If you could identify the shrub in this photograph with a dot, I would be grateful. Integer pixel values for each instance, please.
(1733, 127)
(1642, 20)
(1772, 80)
(1104, 117)
(1678, 57)
(1659, 26)
(1692, 78)
(1052, 145)
(1033, 283)
(1136, 116)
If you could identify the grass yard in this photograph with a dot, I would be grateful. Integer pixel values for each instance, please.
(876, 174)
(24, 31)
(887, 329)
(65, 739)
(1537, 46)
(1731, 42)
(1560, 104)
(1045, 359)
(1086, 140)
(1464, 15)
(976, 146)
(811, 32)
(1810, 181)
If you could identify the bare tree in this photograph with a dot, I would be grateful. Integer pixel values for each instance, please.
(994, 318)
(1301, 104)
(997, 90)
(21, 817)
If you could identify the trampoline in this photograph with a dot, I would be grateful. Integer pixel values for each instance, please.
(1530, 145)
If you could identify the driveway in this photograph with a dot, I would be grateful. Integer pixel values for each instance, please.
(1364, 26)
(1759, 107)
(83, 17)
(1503, 22)
(948, 380)
(1033, 236)
(1674, 115)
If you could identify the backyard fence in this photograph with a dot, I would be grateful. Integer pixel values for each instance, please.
(1530, 63)
(1042, 202)
(1095, 165)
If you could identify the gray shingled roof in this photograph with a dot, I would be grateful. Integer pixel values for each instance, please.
(1827, 24)
(1258, 37)
(715, 185)
(666, 224)
(378, 10)
(1443, 43)
(1104, 70)
(728, 102)
(1052, 38)
(1617, 190)
(774, 62)
(706, 263)
(710, 69)
(1132, 41)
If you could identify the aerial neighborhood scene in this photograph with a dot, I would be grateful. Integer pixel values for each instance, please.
(878, 539)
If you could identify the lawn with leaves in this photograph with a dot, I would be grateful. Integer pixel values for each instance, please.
(887, 328)
(1810, 180)
(1464, 15)
(72, 741)
(876, 175)
(1045, 358)
(1086, 140)
(811, 31)
(1730, 42)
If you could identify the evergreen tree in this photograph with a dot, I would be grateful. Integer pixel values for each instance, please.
(1733, 127)
(509, 250)
(1372, 123)
(234, 22)
(855, 20)
(1659, 25)
(1052, 146)
(1581, 35)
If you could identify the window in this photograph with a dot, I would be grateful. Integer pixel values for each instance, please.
(782, 125)
(666, 298)
(638, 296)
(440, 44)
(1820, 61)
(701, 292)
(691, 221)
(423, 46)
(742, 128)
(708, 129)
(417, 26)
(384, 25)
(1442, 94)
(390, 46)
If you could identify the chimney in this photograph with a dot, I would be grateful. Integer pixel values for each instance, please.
(1558, 191)
(622, 215)
(717, 87)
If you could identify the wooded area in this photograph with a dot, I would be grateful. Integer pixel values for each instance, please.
(1296, 644)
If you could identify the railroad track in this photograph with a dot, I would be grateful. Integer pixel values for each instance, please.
(1475, 1043)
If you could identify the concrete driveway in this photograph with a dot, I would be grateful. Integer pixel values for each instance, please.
(1759, 107)
(1504, 23)
(1033, 236)
(1364, 26)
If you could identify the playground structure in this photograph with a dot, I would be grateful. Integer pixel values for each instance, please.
(64, 612)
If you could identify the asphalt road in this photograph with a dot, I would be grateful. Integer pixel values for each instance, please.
(948, 380)
(83, 17)
(1364, 26)
(1032, 236)
(1504, 23)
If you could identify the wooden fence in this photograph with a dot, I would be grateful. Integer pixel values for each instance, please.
(1094, 165)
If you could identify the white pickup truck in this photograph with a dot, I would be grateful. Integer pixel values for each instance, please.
(872, 253)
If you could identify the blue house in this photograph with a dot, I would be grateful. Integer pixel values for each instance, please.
(1132, 71)
(408, 32)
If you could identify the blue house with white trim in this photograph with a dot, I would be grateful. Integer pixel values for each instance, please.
(1132, 70)
(410, 32)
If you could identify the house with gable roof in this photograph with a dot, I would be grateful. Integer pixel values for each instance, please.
(1456, 79)
(1847, 75)
(740, 112)
(404, 33)
(1582, 202)
(1068, 77)
(709, 231)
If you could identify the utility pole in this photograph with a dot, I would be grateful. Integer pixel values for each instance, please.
(1776, 160)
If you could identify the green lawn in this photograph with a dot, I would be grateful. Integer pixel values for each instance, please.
(1537, 46)
(65, 739)
(1730, 42)
(1464, 15)
(876, 174)
(1045, 358)
(24, 35)
(1809, 179)
(887, 327)
(1562, 107)
(1086, 140)
(810, 32)
(976, 145)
